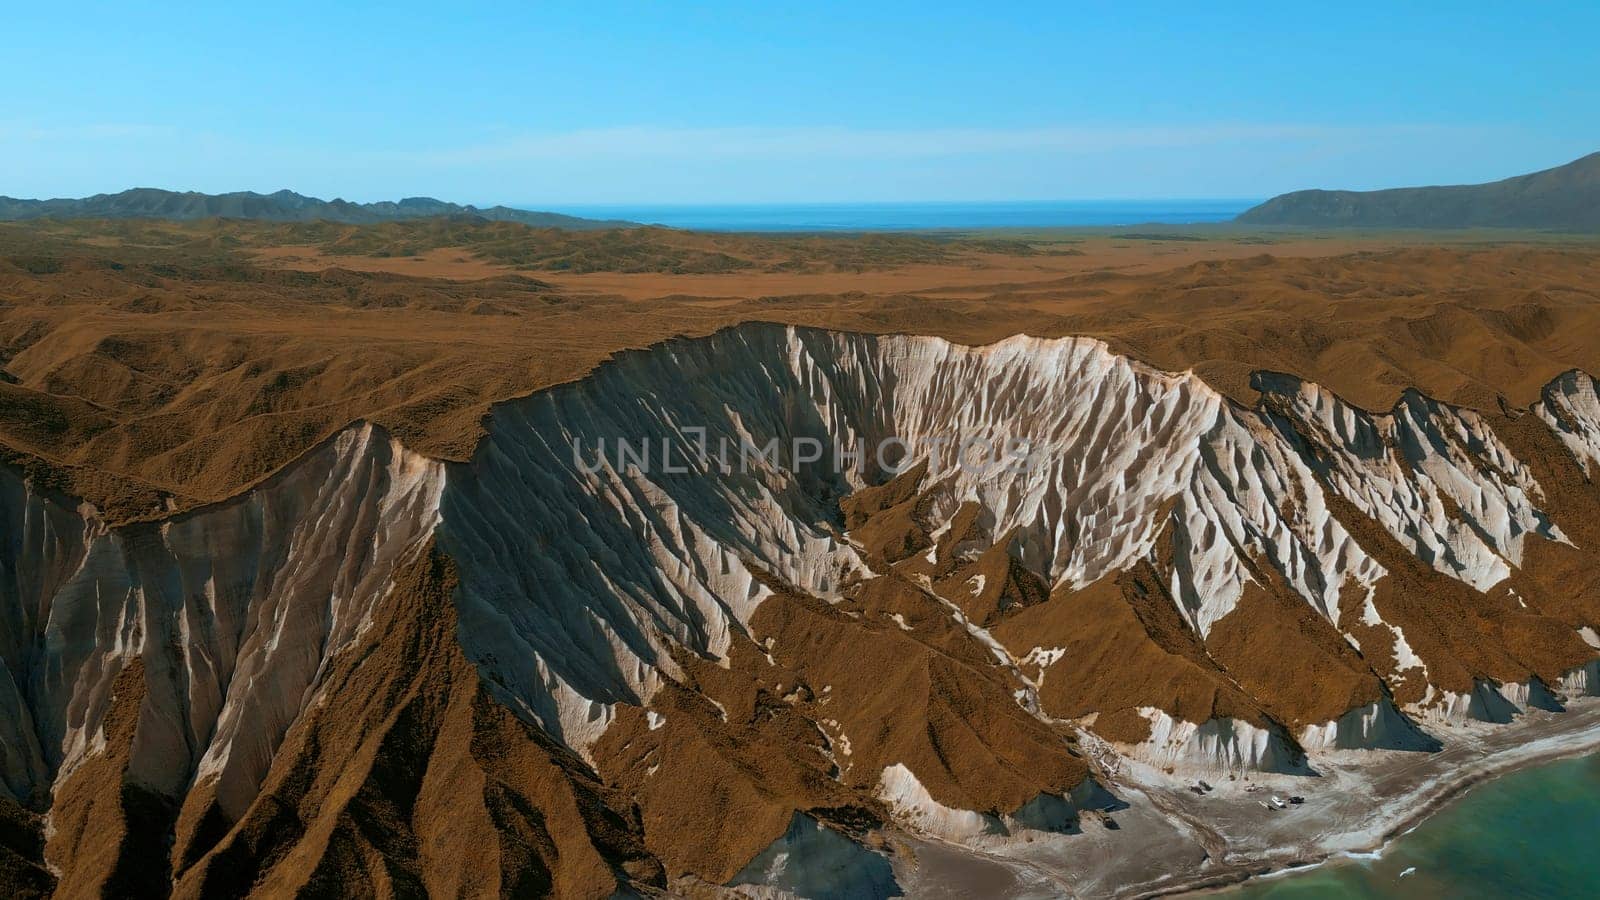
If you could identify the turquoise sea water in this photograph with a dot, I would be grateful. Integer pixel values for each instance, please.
(1534, 833)
(917, 216)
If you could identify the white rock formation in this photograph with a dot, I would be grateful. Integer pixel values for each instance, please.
(1436, 477)
(583, 566)
(1484, 703)
(233, 609)
(1571, 407)
(1376, 726)
(913, 806)
(581, 572)
(1229, 746)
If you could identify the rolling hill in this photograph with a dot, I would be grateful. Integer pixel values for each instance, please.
(1565, 198)
(279, 206)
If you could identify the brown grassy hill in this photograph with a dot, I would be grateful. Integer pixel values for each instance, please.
(1563, 198)
(194, 370)
(279, 206)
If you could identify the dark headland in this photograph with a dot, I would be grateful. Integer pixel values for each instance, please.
(279, 206)
(1565, 198)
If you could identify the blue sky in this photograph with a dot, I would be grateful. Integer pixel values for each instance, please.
(549, 104)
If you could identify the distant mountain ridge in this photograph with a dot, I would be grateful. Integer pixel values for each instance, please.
(280, 206)
(1563, 198)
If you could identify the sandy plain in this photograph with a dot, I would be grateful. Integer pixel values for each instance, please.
(155, 369)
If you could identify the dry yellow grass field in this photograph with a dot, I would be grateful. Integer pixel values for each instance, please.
(158, 366)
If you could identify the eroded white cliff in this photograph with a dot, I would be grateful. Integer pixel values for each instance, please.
(1435, 477)
(579, 581)
(1571, 407)
(583, 571)
(232, 609)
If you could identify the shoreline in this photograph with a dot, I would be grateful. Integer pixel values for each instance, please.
(1169, 842)
(1428, 796)
(1221, 881)
(1430, 807)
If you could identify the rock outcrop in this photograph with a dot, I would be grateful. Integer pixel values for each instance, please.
(650, 636)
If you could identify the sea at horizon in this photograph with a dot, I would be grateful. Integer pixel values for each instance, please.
(1526, 834)
(805, 217)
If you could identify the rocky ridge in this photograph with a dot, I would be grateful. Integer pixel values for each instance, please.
(655, 673)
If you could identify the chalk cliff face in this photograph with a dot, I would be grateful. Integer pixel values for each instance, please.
(229, 616)
(232, 611)
(604, 666)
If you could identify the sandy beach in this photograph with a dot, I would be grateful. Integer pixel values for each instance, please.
(1171, 841)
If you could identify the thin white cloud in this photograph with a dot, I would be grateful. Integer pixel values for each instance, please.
(854, 143)
(101, 131)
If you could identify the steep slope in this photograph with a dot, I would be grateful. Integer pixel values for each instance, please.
(653, 639)
(279, 206)
(160, 656)
(403, 777)
(1564, 198)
